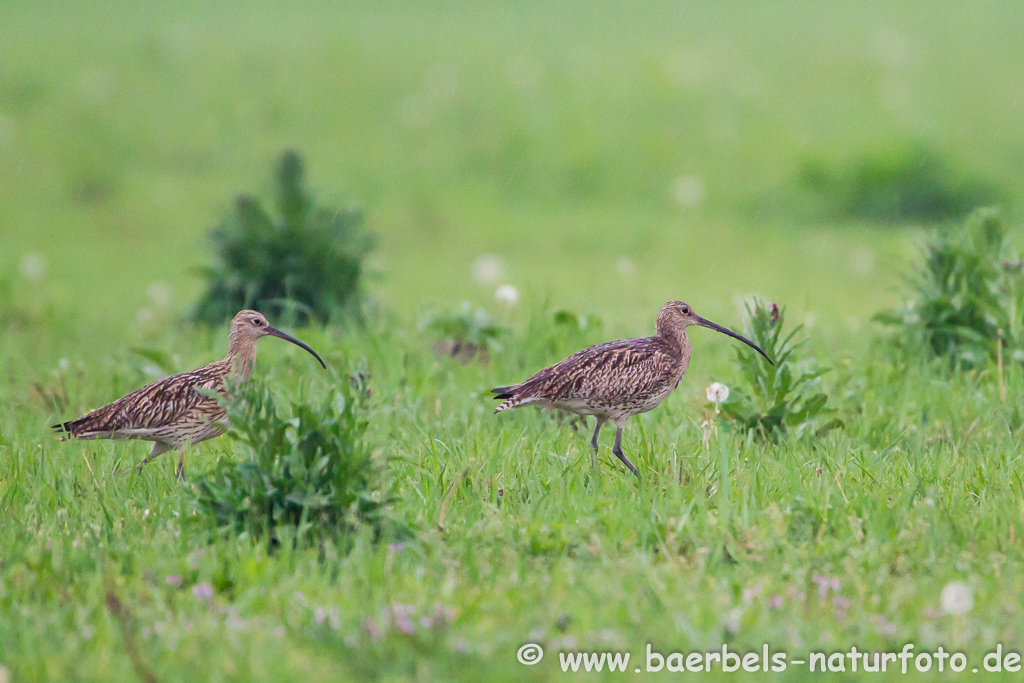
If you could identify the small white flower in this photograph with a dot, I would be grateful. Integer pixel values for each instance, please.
(160, 294)
(731, 622)
(33, 267)
(689, 191)
(487, 269)
(717, 392)
(956, 598)
(862, 261)
(507, 294)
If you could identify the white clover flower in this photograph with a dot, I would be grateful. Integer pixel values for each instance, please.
(731, 622)
(717, 392)
(507, 294)
(33, 267)
(956, 598)
(487, 269)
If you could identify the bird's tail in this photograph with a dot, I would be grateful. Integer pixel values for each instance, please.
(66, 430)
(508, 395)
(503, 392)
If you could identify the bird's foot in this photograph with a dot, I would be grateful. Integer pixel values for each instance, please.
(625, 461)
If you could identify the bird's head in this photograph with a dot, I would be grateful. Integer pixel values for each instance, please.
(248, 326)
(675, 316)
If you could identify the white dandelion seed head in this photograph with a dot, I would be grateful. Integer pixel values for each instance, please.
(688, 191)
(487, 269)
(717, 392)
(862, 261)
(507, 294)
(33, 267)
(160, 294)
(956, 598)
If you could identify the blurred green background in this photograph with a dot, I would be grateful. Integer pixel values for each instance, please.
(613, 155)
(601, 157)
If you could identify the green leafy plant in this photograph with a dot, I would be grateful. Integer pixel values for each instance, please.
(569, 332)
(967, 293)
(464, 334)
(305, 262)
(307, 468)
(781, 399)
(907, 181)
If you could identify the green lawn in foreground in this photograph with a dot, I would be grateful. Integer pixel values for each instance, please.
(921, 488)
(552, 137)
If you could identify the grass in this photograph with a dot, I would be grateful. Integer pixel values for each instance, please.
(921, 488)
(551, 137)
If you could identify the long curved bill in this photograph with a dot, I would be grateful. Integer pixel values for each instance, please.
(725, 330)
(274, 332)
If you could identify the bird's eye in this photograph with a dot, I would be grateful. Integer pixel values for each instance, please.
(257, 322)
(686, 310)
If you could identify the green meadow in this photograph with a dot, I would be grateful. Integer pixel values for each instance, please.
(606, 157)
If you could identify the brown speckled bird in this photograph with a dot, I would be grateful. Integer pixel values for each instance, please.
(170, 412)
(618, 379)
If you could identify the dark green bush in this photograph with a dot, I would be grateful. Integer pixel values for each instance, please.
(906, 182)
(966, 293)
(305, 262)
(307, 467)
(779, 399)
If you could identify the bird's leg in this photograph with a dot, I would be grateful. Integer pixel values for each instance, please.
(593, 443)
(597, 430)
(159, 447)
(617, 450)
(179, 472)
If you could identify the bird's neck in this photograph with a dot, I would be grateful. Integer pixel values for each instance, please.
(676, 337)
(241, 355)
(679, 343)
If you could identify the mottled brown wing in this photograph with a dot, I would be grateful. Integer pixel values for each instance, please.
(153, 406)
(612, 371)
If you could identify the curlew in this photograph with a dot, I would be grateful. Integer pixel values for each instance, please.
(618, 379)
(171, 412)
